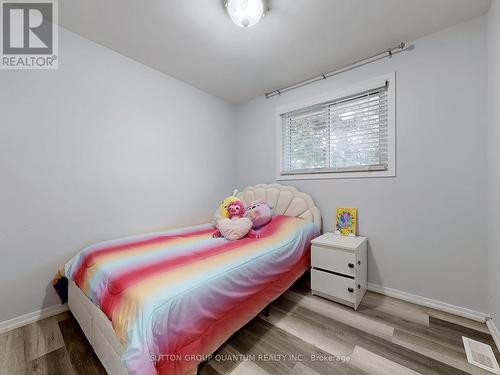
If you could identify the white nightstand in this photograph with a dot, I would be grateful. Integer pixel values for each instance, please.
(339, 269)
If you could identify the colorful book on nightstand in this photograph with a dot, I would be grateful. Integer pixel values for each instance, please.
(346, 221)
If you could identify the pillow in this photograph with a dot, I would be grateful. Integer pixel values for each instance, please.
(235, 228)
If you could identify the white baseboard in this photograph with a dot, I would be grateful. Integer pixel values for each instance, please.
(427, 302)
(35, 316)
(494, 331)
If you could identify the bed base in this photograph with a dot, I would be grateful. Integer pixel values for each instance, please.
(98, 330)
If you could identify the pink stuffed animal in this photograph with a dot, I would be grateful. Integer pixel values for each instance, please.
(236, 226)
(236, 209)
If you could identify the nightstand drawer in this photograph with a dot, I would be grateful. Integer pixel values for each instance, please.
(332, 259)
(332, 285)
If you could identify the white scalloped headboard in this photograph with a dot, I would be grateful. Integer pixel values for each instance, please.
(284, 200)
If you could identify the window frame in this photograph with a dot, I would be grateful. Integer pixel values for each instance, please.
(333, 95)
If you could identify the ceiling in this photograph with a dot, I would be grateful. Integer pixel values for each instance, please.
(196, 42)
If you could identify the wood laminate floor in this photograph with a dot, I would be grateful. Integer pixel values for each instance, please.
(303, 334)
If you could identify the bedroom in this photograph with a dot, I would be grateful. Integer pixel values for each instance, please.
(144, 117)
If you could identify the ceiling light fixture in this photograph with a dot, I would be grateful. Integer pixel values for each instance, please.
(246, 13)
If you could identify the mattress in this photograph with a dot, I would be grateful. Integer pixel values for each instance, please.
(173, 297)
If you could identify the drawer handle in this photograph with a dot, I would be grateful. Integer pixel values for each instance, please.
(351, 290)
(351, 265)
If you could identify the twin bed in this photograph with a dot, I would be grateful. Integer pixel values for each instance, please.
(161, 303)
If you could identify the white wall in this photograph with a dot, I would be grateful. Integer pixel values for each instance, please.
(102, 147)
(494, 160)
(427, 226)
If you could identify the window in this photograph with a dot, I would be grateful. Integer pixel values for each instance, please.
(350, 134)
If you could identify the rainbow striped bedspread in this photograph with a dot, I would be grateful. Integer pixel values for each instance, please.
(174, 297)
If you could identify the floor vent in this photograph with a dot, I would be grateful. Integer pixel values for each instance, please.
(480, 355)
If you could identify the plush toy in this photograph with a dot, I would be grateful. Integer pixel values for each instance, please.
(260, 214)
(221, 212)
(236, 209)
(231, 223)
(223, 208)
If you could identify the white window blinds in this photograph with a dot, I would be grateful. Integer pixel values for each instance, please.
(342, 135)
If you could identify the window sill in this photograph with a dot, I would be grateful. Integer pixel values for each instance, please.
(336, 175)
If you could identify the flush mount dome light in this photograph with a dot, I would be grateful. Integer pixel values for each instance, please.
(246, 13)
